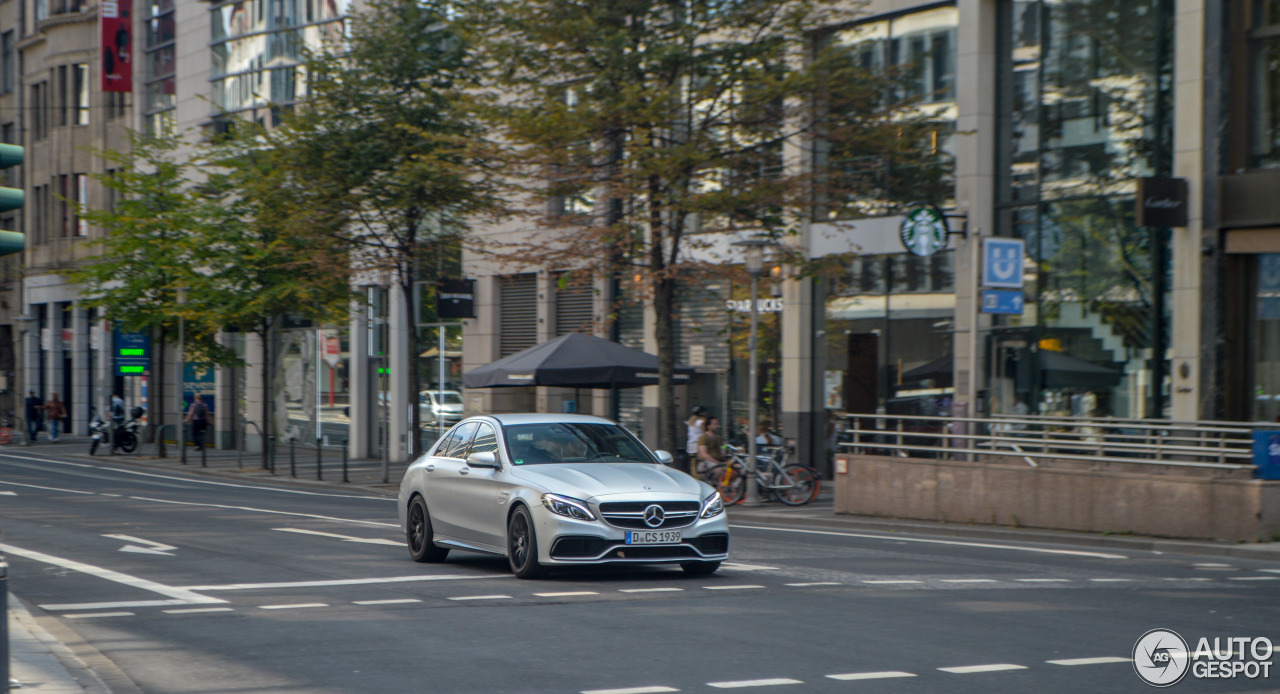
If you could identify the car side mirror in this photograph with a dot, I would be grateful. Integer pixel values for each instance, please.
(664, 457)
(487, 459)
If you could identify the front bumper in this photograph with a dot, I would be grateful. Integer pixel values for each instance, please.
(566, 541)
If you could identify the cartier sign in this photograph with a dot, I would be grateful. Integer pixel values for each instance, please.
(1162, 202)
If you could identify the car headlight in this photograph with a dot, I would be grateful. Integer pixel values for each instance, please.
(565, 506)
(712, 506)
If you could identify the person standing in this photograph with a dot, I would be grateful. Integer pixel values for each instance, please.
(56, 411)
(198, 418)
(35, 409)
(710, 445)
(117, 420)
(696, 424)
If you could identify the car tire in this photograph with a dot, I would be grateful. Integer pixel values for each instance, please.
(418, 534)
(522, 545)
(699, 568)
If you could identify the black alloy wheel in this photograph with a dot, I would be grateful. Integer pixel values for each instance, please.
(522, 545)
(418, 534)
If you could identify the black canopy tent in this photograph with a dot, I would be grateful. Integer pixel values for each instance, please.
(573, 361)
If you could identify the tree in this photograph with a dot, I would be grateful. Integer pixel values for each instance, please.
(684, 120)
(387, 149)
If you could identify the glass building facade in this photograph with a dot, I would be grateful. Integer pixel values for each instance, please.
(258, 47)
(1085, 102)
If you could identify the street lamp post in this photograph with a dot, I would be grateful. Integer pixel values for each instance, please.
(755, 268)
(179, 377)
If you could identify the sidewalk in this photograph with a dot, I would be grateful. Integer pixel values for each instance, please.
(40, 663)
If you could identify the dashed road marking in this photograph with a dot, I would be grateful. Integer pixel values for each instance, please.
(567, 594)
(93, 615)
(295, 606)
(650, 590)
(1087, 661)
(481, 597)
(340, 582)
(1042, 580)
(400, 601)
(753, 683)
(892, 582)
(632, 690)
(1212, 565)
(746, 567)
(969, 580)
(344, 538)
(1271, 571)
(970, 669)
(1183, 578)
(1253, 578)
(887, 674)
(198, 610)
(819, 583)
(731, 587)
(925, 540)
(1111, 580)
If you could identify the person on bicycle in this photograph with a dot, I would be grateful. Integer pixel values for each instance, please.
(710, 446)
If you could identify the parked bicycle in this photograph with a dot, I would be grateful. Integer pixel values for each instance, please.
(790, 483)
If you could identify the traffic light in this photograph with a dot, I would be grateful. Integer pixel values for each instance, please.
(10, 199)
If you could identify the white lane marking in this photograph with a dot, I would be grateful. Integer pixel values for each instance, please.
(92, 615)
(1187, 579)
(295, 606)
(969, 669)
(568, 594)
(1042, 580)
(1087, 661)
(199, 610)
(819, 583)
(8, 493)
(632, 690)
(887, 674)
(890, 582)
(957, 543)
(344, 538)
(252, 509)
(139, 473)
(746, 567)
(151, 548)
(1111, 580)
(731, 587)
(1271, 571)
(752, 683)
(969, 580)
(650, 590)
(339, 582)
(109, 575)
(1253, 578)
(1212, 565)
(48, 489)
(480, 597)
(114, 605)
(399, 601)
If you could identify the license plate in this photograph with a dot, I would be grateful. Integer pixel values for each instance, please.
(653, 537)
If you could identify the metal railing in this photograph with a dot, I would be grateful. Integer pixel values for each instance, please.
(1214, 445)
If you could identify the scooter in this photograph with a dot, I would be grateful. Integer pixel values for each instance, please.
(99, 431)
(128, 433)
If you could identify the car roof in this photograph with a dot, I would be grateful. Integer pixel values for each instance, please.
(546, 418)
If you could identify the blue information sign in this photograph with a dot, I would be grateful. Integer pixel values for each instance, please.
(132, 353)
(1266, 454)
(1002, 263)
(1004, 301)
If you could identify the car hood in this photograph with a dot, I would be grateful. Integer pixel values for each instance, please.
(588, 480)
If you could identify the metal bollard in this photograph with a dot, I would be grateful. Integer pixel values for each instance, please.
(293, 463)
(319, 472)
(4, 627)
(344, 460)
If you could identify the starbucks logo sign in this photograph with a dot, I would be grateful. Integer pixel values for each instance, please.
(924, 230)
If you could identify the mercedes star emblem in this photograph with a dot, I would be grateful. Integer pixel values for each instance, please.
(653, 516)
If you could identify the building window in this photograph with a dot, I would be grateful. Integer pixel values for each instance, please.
(40, 195)
(81, 201)
(160, 89)
(80, 93)
(8, 68)
(1264, 47)
(62, 88)
(39, 111)
(64, 205)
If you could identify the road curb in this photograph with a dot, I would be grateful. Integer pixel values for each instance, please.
(834, 521)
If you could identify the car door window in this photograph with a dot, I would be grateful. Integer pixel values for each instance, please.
(459, 440)
(486, 440)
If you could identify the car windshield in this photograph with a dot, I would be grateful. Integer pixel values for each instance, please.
(576, 442)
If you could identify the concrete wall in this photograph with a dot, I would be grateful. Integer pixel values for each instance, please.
(1162, 501)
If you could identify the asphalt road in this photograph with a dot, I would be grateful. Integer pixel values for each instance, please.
(189, 584)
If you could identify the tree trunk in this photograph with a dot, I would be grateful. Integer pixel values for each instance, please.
(664, 291)
(268, 398)
(155, 389)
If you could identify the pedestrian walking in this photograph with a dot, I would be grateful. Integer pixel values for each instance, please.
(56, 411)
(696, 424)
(35, 412)
(198, 418)
(117, 420)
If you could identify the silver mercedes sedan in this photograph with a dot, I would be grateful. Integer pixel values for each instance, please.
(558, 490)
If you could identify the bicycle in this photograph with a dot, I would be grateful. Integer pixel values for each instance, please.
(792, 484)
(6, 428)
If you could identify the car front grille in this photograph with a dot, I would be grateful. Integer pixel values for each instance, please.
(630, 514)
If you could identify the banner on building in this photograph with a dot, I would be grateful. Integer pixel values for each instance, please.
(114, 20)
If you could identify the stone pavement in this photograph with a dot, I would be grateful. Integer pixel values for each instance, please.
(43, 662)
